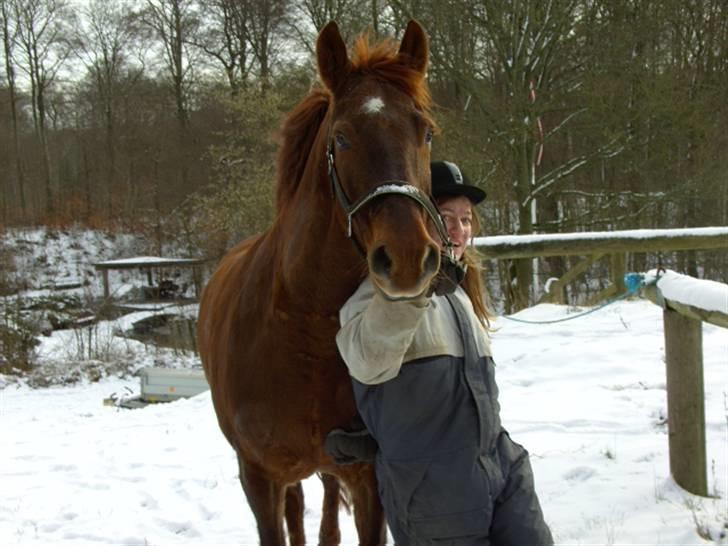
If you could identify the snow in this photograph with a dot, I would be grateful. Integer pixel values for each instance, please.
(701, 293)
(156, 306)
(141, 261)
(126, 322)
(623, 234)
(587, 398)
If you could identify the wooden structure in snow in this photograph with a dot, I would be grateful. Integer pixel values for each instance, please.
(150, 263)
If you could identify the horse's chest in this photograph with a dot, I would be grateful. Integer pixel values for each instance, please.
(294, 360)
(307, 340)
(289, 406)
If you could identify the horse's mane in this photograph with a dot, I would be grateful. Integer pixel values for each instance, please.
(297, 136)
(301, 125)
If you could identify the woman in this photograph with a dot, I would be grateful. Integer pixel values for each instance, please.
(424, 385)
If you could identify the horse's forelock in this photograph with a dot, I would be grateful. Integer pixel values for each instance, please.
(381, 60)
(297, 135)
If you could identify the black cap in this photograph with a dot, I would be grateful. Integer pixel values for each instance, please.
(449, 181)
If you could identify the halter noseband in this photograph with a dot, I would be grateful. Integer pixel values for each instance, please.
(388, 187)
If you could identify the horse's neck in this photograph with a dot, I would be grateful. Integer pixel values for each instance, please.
(319, 266)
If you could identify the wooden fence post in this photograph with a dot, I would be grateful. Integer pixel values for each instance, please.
(619, 268)
(105, 276)
(685, 401)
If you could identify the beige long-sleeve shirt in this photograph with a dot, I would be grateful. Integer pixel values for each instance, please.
(378, 336)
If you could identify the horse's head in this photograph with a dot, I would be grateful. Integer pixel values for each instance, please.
(378, 137)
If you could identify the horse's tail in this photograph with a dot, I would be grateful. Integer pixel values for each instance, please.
(345, 497)
(335, 492)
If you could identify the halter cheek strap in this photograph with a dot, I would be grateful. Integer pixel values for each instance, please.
(389, 187)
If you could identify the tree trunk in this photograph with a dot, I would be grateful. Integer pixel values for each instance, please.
(10, 72)
(524, 267)
(110, 157)
(43, 139)
(88, 199)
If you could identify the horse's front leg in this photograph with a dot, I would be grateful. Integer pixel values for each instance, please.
(329, 533)
(294, 514)
(266, 500)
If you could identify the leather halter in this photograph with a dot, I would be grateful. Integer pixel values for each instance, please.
(388, 187)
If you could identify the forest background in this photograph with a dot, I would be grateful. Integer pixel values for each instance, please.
(160, 116)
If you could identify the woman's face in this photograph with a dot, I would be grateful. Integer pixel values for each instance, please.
(457, 213)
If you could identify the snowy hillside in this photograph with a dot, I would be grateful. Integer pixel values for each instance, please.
(45, 259)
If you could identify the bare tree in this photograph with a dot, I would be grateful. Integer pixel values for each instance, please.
(174, 23)
(353, 16)
(226, 38)
(105, 38)
(43, 36)
(698, 30)
(9, 36)
(265, 30)
(524, 43)
(245, 36)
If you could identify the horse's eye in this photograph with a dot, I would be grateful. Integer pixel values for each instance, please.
(428, 135)
(341, 142)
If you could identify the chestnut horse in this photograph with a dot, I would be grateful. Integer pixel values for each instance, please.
(354, 162)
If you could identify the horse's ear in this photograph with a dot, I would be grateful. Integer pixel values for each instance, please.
(333, 61)
(413, 50)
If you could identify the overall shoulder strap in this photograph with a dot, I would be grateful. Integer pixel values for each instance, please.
(475, 378)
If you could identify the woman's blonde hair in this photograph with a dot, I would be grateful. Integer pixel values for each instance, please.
(473, 286)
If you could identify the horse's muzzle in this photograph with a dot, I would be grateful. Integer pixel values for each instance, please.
(403, 273)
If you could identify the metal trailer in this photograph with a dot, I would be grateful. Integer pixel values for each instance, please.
(164, 385)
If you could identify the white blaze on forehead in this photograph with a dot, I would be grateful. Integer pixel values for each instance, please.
(373, 105)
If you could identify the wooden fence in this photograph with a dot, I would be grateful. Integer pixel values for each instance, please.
(596, 245)
(685, 306)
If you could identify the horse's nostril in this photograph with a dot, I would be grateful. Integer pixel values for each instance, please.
(432, 260)
(380, 262)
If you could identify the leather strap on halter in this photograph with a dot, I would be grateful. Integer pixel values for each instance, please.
(388, 187)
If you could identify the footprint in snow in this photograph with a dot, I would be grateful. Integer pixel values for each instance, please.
(580, 473)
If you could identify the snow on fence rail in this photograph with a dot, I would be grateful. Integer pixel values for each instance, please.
(687, 303)
(605, 242)
(698, 299)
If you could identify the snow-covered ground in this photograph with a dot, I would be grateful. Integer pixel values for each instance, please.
(586, 397)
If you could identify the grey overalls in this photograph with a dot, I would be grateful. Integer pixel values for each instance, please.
(448, 472)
